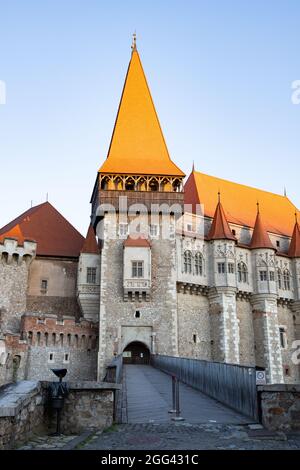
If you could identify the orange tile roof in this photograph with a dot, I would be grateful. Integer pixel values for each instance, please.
(54, 235)
(240, 203)
(90, 243)
(138, 145)
(137, 242)
(294, 249)
(220, 229)
(260, 237)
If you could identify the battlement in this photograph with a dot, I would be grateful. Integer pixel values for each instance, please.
(12, 253)
(54, 331)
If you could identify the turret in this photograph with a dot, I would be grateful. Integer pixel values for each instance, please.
(263, 259)
(222, 243)
(294, 253)
(88, 283)
(264, 303)
(222, 294)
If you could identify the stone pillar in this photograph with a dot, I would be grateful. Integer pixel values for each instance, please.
(224, 325)
(266, 334)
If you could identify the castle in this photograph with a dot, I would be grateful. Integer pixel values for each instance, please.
(207, 269)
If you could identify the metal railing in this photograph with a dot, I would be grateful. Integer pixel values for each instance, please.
(230, 384)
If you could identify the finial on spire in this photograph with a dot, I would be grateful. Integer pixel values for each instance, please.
(133, 46)
(284, 191)
(193, 167)
(257, 204)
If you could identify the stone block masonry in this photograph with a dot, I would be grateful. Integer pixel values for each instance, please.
(25, 410)
(60, 343)
(280, 407)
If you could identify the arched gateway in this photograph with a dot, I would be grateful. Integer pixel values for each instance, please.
(136, 353)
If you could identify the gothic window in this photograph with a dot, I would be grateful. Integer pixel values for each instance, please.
(91, 275)
(263, 275)
(230, 268)
(242, 272)
(221, 268)
(279, 278)
(198, 264)
(187, 262)
(286, 279)
(137, 269)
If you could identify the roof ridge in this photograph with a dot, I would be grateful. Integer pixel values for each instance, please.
(245, 185)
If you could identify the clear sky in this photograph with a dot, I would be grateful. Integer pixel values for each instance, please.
(220, 73)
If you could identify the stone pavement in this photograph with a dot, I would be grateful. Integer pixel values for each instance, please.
(190, 437)
(149, 398)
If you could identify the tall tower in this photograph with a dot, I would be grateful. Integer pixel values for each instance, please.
(137, 194)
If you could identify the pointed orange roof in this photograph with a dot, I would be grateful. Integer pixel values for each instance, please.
(54, 235)
(294, 249)
(137, 145)
(239, 202)
(90, 243)
(260, 237)
(220, 229)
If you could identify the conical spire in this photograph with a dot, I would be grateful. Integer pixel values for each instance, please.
(220, 229)
(294, 249)
(260, 237)
(138, 145)
(90, 244)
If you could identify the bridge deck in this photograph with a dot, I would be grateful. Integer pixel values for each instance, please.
(149, 398)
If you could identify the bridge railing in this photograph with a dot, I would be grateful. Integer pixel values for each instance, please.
(231, 384)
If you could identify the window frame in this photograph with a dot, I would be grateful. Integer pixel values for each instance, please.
(137, 267)
(91, 275)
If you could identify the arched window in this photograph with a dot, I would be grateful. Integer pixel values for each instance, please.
(187, 262)
(198, 264)
(242, 272)
(286, 279)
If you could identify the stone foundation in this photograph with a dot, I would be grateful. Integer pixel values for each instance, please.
(280, 406)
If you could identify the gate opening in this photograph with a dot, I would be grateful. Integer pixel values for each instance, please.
(136, 353)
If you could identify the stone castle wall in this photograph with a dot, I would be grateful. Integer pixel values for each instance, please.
(193, 326)
(159, 314)
(55, 342)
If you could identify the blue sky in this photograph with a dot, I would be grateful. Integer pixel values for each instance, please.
(220, 73)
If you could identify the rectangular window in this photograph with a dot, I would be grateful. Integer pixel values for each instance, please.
(282, 334)
(153, 230)
(272, 276)
(51, 357)
(195, 338)
(231, 268)
(123, 230)
(91, 275)
(44, 286)
(263, 275)
(137, 269)
(221, 268)
(66, 358)
(189, 227)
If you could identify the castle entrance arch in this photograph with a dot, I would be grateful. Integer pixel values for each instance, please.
(136, 353)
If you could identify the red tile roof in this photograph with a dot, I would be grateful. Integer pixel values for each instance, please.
(294, 250)
(90, 244)
(137, 242)
(260, 237)
(54, 235)
(220, 229)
